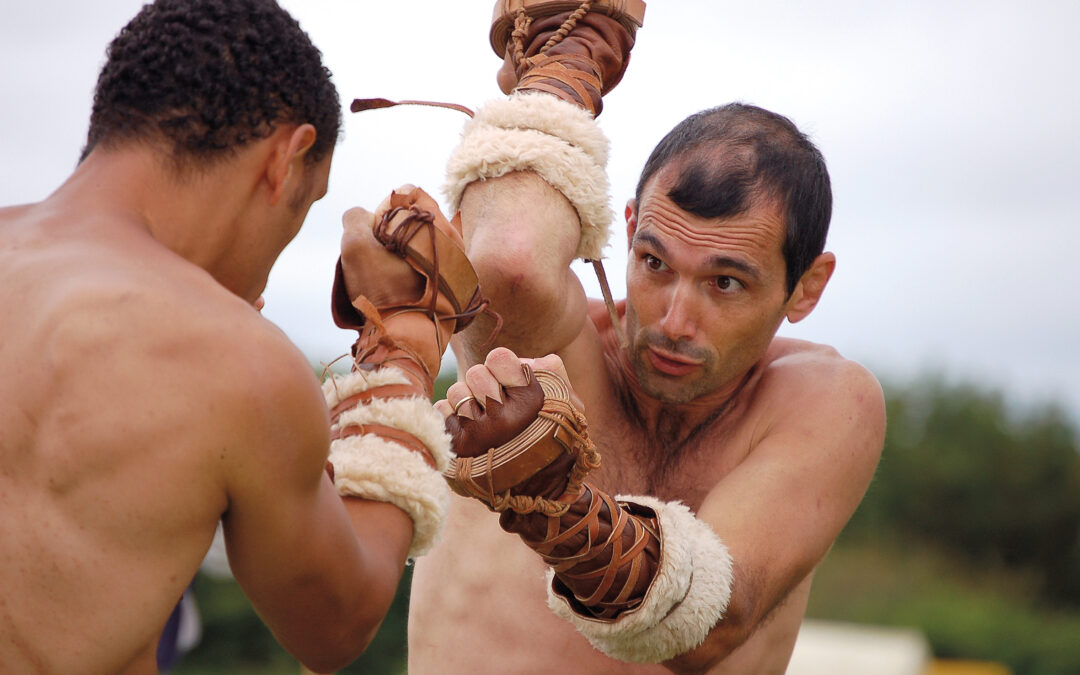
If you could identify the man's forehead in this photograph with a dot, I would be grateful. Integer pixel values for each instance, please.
(764, 207)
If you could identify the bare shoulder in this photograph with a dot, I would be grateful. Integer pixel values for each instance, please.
(811, 385)
(176, 338)
(808, 368)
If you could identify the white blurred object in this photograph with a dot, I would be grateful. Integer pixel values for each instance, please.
(828, 648)
(216, 562)
(190, 630)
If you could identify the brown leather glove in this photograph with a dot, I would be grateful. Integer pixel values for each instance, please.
(527, 457)
(403, 281)
(529, 453)
(577, 51)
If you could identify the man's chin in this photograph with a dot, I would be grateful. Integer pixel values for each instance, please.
(669, 389)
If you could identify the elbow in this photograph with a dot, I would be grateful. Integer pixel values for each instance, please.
(734, 629)
(337, 651)
(330, 644)
(720, 643)
(513, 270)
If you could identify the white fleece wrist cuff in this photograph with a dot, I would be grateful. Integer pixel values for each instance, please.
(687, 597)
(556, 139)
(371, 467)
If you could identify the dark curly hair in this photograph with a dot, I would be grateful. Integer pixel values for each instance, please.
(208, 77)
(726, 157)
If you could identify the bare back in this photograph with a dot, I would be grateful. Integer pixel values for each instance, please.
(113, 451)
(486, 590)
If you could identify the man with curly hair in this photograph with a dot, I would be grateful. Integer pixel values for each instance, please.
(145, 399)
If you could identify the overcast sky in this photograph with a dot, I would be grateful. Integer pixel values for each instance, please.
(950, 129)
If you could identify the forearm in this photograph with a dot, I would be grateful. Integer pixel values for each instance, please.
(385, 533)
(604, 557)
(644, 581)
(341, 630)
(522, 257)
(529, 180)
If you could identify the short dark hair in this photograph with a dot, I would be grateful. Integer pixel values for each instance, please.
(733, 154)
(208, 77)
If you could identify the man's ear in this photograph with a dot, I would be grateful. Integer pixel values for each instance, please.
(810, 287)
(631, 221)
(288, 151)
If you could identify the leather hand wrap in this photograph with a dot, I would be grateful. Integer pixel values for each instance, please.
(530, 453)
(412, 265)
(577, 51)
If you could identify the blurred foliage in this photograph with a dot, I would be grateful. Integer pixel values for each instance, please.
(969, 532)
(963, 470)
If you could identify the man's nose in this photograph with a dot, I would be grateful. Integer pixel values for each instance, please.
(679, 322)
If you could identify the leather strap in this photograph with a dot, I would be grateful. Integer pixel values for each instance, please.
(387, 433)
(541, 69)
(364, 397)
(604, 553)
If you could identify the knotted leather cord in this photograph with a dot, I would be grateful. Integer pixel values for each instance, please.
(417, 219)
(567, 26)
(521, 28)
(397, 241)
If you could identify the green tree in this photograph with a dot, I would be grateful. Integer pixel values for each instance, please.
(964, 470)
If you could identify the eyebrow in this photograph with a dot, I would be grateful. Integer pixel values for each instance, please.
(713, 262)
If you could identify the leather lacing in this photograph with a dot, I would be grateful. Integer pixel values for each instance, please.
(397, 240)
(604, 553)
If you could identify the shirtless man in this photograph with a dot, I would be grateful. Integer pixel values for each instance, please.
(145, 398)
(770, 442)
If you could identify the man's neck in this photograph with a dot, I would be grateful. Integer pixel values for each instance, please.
(189, 215)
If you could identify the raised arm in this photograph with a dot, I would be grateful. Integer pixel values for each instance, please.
(529, 175)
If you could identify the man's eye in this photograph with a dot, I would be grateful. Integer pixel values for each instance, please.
(727, 284)
(654, 263)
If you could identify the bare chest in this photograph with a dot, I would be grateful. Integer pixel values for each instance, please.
(677, 460)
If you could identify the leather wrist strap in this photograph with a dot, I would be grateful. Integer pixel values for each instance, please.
(604, 553)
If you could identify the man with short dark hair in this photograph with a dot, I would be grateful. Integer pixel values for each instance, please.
(668, 511)
(145, 399)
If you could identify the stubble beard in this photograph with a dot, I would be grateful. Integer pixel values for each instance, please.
(668, 389)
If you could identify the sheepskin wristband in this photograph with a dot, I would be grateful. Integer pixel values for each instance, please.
(687, 597)
(556, 139)
(381, 467)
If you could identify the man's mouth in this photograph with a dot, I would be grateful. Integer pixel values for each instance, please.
(671, 364)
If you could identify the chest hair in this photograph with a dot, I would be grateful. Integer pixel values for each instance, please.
(673, 461)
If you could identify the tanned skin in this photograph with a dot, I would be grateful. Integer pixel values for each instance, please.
(770, 441)
(145, 399)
